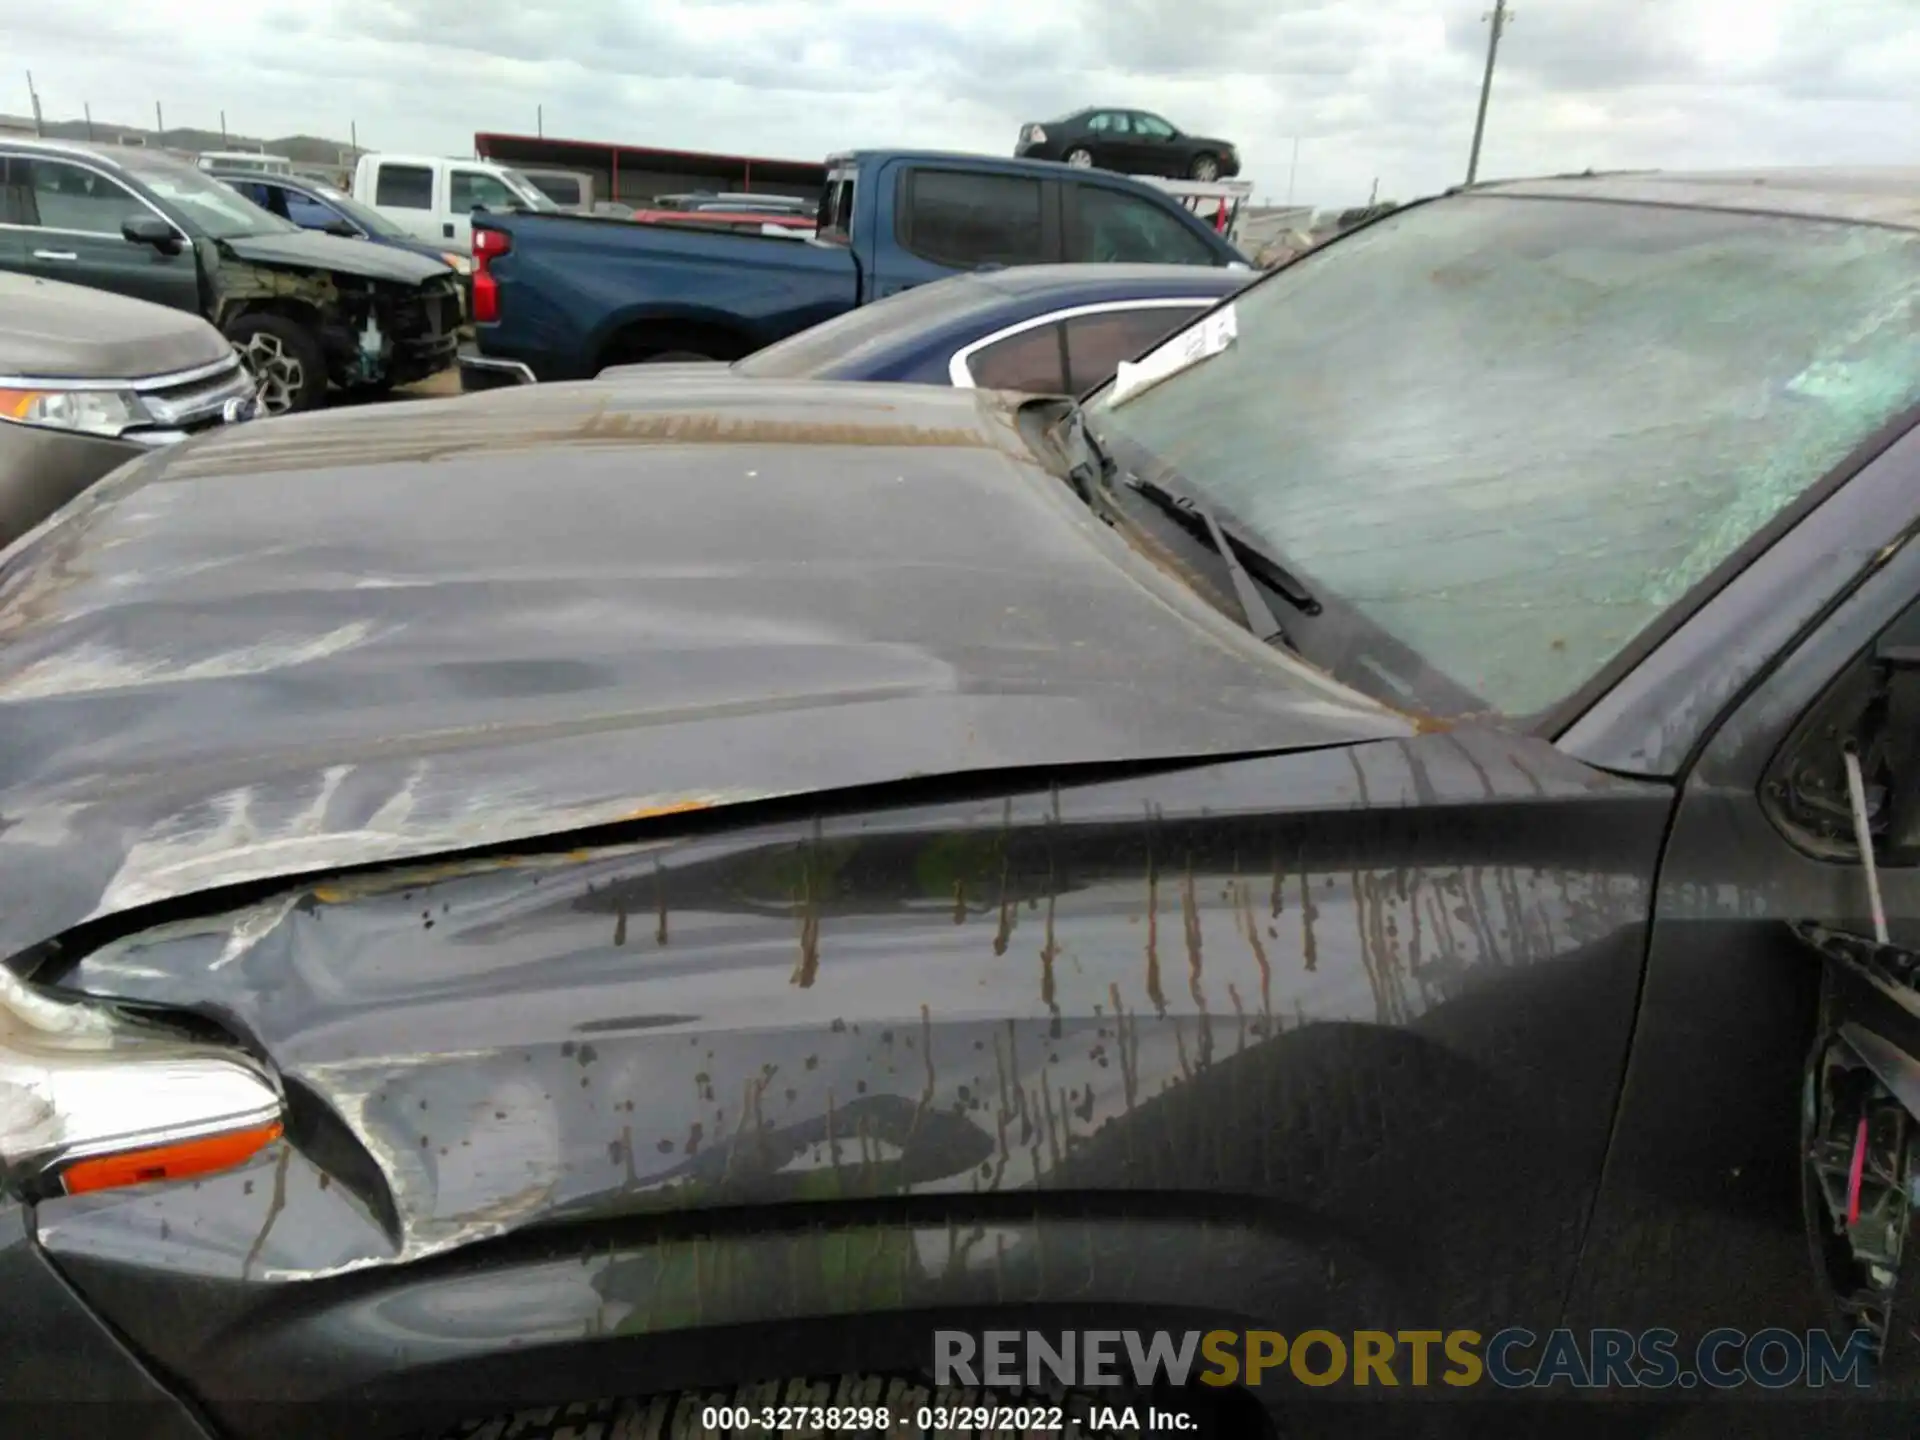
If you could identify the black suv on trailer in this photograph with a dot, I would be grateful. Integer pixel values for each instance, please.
(305, 309)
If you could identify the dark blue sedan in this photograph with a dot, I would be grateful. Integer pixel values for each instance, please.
(1044, 329)
(316, 205)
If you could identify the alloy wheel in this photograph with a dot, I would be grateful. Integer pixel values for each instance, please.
(278, 373)
(1080, 159)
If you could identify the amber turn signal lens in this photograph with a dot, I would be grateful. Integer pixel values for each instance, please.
(179, 1161)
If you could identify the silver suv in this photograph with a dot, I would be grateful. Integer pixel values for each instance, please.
(89, 379)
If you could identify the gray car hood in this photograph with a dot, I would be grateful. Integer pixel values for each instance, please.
(360, 636)
(316, 250)
(53, 330)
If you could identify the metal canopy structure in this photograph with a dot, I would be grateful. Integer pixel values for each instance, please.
(634, 174)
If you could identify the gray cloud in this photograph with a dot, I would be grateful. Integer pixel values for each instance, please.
(1579, 45)
(1375, 87)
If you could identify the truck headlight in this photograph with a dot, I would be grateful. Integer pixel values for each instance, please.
(86, 412)
(95, 1098)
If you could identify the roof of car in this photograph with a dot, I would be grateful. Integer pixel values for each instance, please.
(241, 172)
(1867, 195)
(120, 157)
(104, 153)
(1168, 279)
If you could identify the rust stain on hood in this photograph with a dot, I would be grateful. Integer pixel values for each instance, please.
(600, 413)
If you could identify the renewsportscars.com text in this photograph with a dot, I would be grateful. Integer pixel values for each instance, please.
(1512, 1359)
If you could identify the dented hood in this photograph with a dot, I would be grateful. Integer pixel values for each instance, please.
(316, 250)
(361, 636)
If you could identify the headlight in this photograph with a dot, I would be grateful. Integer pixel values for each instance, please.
(462, 264)
(93, 1099)
(87, 412)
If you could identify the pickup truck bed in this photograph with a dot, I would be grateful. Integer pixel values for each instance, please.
(573, 283)
(566, 296)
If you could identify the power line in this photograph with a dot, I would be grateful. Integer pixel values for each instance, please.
(1500, 16)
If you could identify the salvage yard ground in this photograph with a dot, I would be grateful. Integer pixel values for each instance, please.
(447, 382)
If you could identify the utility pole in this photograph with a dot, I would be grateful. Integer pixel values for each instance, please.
(159, 126)
(353, 139)
(87, 107)
(1293, 168)
(540, 121)
(34, 96)
(223, 129)
(1499, 15)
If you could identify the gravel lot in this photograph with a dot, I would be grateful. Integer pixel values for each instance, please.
(447, 382)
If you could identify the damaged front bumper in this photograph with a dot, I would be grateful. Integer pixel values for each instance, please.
(392, 335)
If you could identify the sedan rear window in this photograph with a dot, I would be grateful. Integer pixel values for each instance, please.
(1501, 438)
(1097, 343)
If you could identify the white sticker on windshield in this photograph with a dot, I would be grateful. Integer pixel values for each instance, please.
(1187, 349)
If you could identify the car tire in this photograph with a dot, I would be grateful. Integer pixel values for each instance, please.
(286, 361)
(1080, 158)
(1204, 167)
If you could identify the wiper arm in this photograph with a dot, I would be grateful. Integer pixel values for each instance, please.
(1201, 520)
(1090, 475)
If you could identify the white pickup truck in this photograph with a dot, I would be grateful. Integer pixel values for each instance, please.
(433, 198)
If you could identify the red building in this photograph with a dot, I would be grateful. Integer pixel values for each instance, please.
(634, 174)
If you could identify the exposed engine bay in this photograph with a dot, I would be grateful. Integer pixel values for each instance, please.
(386, 334)
(372, 332)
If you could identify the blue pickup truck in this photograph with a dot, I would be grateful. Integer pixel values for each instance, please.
(563, 297)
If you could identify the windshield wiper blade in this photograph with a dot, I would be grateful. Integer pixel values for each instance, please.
(1201, 520)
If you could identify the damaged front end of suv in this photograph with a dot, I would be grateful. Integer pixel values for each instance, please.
(304, 331)
(308, 311)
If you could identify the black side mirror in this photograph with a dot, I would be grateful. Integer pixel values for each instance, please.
(151, 230)
(343, 228)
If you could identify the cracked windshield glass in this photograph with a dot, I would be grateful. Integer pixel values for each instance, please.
(1512, 433)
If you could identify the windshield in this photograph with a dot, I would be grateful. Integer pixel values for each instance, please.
(869, 330)
(561, 189)
(532, 194)
(365, 216)
(209, 206)
(1499, 437)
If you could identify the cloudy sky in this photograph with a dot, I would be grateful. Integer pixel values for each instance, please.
(1371, 88)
